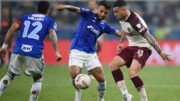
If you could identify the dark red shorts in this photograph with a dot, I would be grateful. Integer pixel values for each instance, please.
(141, 54)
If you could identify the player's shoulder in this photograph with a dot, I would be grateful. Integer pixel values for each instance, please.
(135, 19)
(88, 11)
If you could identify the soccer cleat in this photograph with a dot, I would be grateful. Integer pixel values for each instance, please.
(78, 95)
(127, 97)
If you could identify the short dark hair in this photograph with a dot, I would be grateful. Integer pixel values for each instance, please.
(119, 3)
(106, 4)
(43, 6)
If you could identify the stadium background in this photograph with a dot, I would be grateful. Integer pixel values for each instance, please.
(162, 79)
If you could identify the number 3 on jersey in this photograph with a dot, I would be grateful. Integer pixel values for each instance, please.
(33, 34)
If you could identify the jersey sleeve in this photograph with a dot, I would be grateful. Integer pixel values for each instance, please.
(108, 29)
(19, 21)
(53, 26)
(85, 12)
(139, 25)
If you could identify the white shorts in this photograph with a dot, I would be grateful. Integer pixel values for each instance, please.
(80, 58)
(35, 66)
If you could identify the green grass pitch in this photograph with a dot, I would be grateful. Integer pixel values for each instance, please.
(162, 84)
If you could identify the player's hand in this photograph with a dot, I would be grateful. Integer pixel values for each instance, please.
(58, 56)
(61, 7)
(2, 52)
(120, 47)
(165, 56)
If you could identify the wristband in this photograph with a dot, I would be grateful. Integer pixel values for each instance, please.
(5, 46)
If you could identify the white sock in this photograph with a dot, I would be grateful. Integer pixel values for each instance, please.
(78, 92)
(101, 88)
(121, 84)
(35, 90)
(78, 95)
(142, 93)
(7, 78)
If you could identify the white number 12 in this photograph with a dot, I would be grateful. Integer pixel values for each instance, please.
(33, 34)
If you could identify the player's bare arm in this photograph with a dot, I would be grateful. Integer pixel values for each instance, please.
(68, 7)
(53, 38)
(156, 46)
(121, 34)
(9, 35)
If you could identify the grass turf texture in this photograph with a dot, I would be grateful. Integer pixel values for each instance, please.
(162, 84)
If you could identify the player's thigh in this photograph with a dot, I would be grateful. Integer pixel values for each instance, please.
(134, 69)
(75, 70)
(116, 63)
(76, 58)
(35, 66)
(98, 73)
(16, 63)
(91, 61)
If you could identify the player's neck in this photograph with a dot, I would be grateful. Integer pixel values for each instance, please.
(127, 14)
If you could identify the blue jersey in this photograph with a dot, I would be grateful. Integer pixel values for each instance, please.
(88, 31)
(33, 29)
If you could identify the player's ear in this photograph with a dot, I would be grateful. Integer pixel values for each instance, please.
(36, 11)
(48, 12)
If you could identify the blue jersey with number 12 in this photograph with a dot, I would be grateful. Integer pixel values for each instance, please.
(33, 29)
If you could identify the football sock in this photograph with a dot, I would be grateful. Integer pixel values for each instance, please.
(73, 83)
(119, 79)
(101, 88)
(117, 75)
(78, 91)
(35, 90)
(121, 84)
(138, 83)
(142, 93)
(78, 95)
(5, 81)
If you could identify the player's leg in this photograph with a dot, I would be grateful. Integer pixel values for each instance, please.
(16, 63)
(36, 87)
(134, 71)
(101, 85)
(93, 65)
(5, 81)
(115, 66)
(74, 71)
(35, 67)
(123, 58)
(75, 66)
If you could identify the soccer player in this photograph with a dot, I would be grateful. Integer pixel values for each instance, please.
(82, 50)
(135, 55)
(28, 47)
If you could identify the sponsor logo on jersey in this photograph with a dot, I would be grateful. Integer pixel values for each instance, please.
(93, 29)
(26, 48)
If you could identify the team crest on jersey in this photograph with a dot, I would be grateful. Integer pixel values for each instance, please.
(26, 48)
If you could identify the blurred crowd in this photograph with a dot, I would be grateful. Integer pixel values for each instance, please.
(162, 17)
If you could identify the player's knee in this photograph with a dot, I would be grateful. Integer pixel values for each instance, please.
(101, 78)
(132, 73)
(37, 77)
(74, 74)
(115, 64)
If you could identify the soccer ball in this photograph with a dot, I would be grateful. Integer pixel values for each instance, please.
(82, 81)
